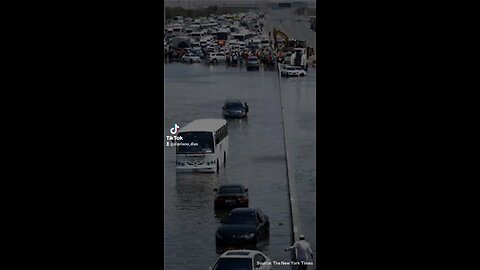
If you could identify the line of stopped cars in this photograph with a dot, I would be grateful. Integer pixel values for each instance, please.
(242, 227)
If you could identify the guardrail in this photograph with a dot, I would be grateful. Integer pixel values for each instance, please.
(292, 194)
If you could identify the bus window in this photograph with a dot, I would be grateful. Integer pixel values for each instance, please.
(196, 142)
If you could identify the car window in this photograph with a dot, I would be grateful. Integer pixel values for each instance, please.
(241, 218)
(230, 190)
(234, 106)
(258, 259)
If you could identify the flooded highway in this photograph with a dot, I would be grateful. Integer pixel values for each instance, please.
(299, 97)
(256, 155)
(256, 159)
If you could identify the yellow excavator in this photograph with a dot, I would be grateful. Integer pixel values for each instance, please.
(280, 34)
(289, 44)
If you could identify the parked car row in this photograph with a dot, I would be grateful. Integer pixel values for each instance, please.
(242, 227)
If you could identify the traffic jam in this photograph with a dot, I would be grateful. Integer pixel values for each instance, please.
(236, 40)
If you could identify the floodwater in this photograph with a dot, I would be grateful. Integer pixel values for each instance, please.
(300, 119)
(256, 157)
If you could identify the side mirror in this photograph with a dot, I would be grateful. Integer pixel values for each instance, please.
(215, 189)
(246, 190)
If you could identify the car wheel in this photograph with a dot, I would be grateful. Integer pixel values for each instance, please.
(214, 61)
(302, 75)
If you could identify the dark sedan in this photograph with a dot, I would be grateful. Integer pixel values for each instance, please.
(231, 196)
(243, 226)
(234, 108)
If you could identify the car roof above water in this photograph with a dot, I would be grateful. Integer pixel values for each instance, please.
(232, 185)
(244, 210)
(243, 253)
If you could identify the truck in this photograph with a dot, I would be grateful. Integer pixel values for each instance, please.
(299, 57)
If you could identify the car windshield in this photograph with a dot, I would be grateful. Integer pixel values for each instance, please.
(299, 68)
(233, 264)
(241, 218)
(230, 190)
(195, 142)
(290, 68)
(234, 106)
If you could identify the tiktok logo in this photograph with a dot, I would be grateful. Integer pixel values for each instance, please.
(174, 129)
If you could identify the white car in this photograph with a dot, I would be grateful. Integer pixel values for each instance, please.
(217, 57)
(289, 71)
(242, 259)
(300, 71)
(191, 58)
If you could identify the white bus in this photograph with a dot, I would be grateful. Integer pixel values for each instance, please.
(204, 146)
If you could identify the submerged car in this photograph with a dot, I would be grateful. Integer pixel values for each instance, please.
(231, 196)
(217, 57)
(234, 108)
(289, 71)
(253, 63)
(300, 71)
(243, 226)
(191, 58)
(243, 259)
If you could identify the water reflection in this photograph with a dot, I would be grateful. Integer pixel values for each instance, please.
(194, 190)
(255, 159)
(239, 124)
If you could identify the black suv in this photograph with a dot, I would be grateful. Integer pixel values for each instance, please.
(233, 108)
